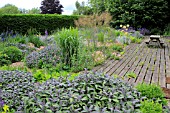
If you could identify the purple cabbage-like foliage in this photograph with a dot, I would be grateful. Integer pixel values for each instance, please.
(92, 92)
(14, 86)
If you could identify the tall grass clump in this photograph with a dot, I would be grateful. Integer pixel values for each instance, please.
(69, 41)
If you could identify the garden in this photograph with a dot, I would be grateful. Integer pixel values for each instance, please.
(51, 70)
(51, 73)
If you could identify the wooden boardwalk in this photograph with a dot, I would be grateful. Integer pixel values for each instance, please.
(151, 65)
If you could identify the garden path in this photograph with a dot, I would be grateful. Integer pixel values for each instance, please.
(151, 65)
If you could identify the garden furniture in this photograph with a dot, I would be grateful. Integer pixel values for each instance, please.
(155, 41)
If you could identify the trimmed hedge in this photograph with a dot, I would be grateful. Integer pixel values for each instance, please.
(41, 22)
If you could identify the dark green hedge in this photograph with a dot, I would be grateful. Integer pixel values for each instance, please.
(41, 22)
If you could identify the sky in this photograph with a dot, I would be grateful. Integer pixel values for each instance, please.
(69, 5)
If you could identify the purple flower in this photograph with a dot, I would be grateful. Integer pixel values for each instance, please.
(46, 33)
(1, 102)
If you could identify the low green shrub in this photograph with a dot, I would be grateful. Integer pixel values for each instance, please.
(118, 47)
(135, 40)
(41, 76)
(151, 107)
(36, 41)
(152, 91)
(13, 53)
(4, 59)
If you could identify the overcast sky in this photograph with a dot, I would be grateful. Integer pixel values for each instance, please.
(69, 5)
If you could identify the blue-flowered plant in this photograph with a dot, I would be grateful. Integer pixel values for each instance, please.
(50, 55)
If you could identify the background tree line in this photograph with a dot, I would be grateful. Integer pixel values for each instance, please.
(12, 9)
(150, 14)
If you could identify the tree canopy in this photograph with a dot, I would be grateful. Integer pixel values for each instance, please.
(138, 13)
(51, 7)
(9, 9)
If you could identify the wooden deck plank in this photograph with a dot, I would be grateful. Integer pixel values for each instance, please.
(144, 68)
(167, 59)
(112, 63)
(149, 73)
(131, 65)
(162, 69)
(140, 65)
(121, 61)
(151, 65)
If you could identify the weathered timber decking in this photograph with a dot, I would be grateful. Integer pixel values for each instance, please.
(151, 65)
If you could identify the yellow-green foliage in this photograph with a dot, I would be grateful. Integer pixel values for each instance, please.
(151, 107)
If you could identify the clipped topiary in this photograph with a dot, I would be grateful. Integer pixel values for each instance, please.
(87, 93)
(13, 53)
(50, 55)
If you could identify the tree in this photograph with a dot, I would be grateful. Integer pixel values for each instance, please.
(82, 9)
(23, 11)
(51, 7)
(138, 13)
(34, 11)
(9, 9)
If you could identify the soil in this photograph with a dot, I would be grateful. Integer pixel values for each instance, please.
(17, 64)
(167, 92)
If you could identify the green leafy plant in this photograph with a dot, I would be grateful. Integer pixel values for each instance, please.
(122, 53)
(167, 30)
(152, 92)
(35, 40)
(131, 75)
(112, 56)
(4, 109)
(141, 63)
(148, 106)
(41, 75)
(14, 54)
(100, 37)
(117, 47)
(135, 40)
(4, 59)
